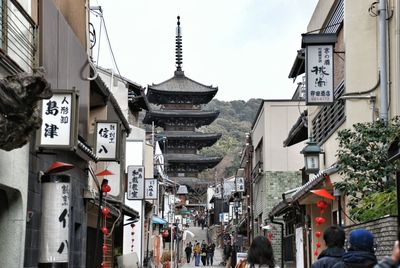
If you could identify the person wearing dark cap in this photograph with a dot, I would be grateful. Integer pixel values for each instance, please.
(334, 237)
(361, 252)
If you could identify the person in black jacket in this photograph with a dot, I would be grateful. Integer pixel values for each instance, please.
(188, 251)
(334, 237)
(361, 252)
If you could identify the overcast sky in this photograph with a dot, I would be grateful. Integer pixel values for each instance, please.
(245, 47)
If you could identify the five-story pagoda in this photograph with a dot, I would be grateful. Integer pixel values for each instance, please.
(180, 100)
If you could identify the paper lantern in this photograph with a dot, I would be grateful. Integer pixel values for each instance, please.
(106, 188)
(318, 244)
(105, 248)
(320, 220)
(316, 252)
(105, 211)
(322, 204)
(318, 234)
(104, 230)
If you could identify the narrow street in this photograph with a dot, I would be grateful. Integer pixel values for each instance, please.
(201, 235)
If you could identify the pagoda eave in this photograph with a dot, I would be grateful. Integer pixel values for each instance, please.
(187, 159)
(162, 118)
(168, 97)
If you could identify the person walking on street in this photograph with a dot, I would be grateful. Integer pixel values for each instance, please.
(361, 252)
(227, 253)
(210, 254)
(188, 251)
(334, 238)
(204, 254)
(197, 252)
(260, 254)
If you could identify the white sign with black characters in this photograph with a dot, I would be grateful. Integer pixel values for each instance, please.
(57, 120)
(151, 189)
(319, 60)
(239, 184)
(106, 140)
(135, 188)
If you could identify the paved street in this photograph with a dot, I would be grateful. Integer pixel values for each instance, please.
(201, 235)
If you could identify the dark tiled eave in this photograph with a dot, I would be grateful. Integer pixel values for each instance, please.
(165, 97)
(302, 191)
(298, 132)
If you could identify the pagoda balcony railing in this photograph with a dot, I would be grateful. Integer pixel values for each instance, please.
(257, 171)
(18, 37)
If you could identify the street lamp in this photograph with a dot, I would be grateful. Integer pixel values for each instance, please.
(311, 157)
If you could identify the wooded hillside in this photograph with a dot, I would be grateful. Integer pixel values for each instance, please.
(234, 121)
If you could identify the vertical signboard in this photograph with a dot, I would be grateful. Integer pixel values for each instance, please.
(151, 189)
(59, 120)
(107, 140)
(135, 187)
(239, 181)
(319, 74)
(54, 230)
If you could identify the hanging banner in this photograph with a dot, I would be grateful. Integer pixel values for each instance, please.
(135, 188)
(107, 140)
(319, 75)
(54, 229)
(151, 189)
(59, 121)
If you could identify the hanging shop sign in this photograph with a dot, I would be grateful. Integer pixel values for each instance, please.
(59, 126)
(151, 189)
(239, 182)
(319, 68)
(107, 140)
(54, 229)
(135, 185)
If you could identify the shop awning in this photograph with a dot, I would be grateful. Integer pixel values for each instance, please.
(157, 220)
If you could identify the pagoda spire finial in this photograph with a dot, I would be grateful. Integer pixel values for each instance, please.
(178, 47)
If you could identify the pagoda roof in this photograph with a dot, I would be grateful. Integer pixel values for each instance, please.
(190, 137)
(178, 135)
(205, 161)
(199, 118)
(180, 89)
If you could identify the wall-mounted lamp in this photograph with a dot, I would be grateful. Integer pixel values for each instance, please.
(311, 157)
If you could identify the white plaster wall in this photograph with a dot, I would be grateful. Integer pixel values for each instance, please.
(14, 166)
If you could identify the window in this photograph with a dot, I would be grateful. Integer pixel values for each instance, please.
(329, 118)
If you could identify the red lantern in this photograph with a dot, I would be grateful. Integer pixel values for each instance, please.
(105, 211)
(318, 244)
(320, 220)
(106, 188)
(316, 252)
(103, 264)
(105, 248)
(318, 234)
(322, 204)
(104, 230)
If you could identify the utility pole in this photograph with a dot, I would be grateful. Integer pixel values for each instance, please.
(222, 210)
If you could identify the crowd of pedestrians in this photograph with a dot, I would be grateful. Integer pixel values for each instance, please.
(201, 252)
(359, 251)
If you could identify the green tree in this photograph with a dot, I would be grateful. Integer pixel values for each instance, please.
(365, 169)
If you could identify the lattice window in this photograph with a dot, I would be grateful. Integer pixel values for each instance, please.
(329, 118)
